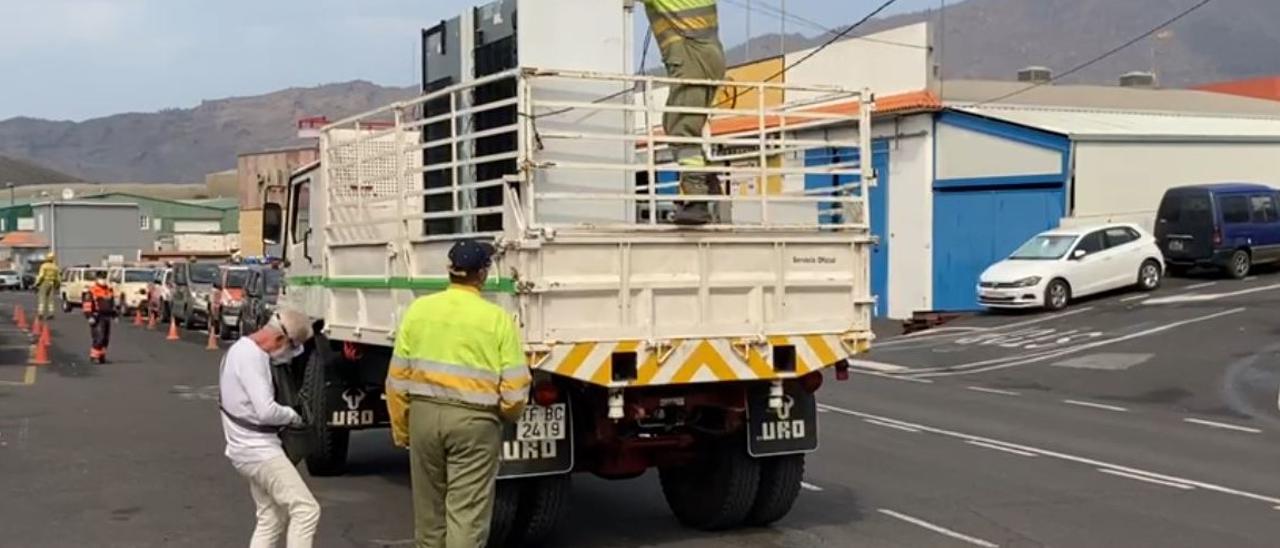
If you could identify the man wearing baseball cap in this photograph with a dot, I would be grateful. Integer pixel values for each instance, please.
(458, 370)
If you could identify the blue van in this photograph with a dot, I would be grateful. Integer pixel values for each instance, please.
(1231, 226)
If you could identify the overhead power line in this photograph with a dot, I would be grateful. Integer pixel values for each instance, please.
(1178, 17)
(783, 15)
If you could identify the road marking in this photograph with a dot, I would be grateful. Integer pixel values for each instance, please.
(1096, 405)
(892, 377)
(1202, 297)
(810, 487)
(1082, 347)
(1201, 286)
(891, 425)
(993, 391)
(938, 529)
(28, 378)
(877, 366)
(1000, 448)
(1140, 477)
(1273, 501)
(1138, 297)
(1223, 425)
(1114, 361)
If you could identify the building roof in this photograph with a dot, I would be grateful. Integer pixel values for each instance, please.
(82, 202)
(1183, 101)
(23, 239)
(1124, 125)
(1266, 87)
(218, 203)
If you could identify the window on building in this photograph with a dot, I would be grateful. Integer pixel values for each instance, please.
(144, 222)
(1263, 209)
(1235, 209)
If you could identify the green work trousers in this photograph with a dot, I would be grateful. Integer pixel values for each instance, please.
(695, 60)
(46, 299)
(453, 452)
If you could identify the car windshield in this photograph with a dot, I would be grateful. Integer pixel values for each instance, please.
(236, 278)
(204, 273)
(132, 276)
(1044, 248)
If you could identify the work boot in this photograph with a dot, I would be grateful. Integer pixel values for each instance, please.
(692, 214)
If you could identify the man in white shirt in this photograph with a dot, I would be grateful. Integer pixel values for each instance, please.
(251, 421)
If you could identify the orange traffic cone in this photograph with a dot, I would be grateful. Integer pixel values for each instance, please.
(22, 319)
(46, 337)
(173, 330)
(213, 339)
(41, 356)
(137, 317)
(35, 326)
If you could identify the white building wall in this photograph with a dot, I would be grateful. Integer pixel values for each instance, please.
(1123, 181)
(964, 154)
(879, 61)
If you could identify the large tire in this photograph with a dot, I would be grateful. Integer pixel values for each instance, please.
(543, 502)
(506, 504)
(1239, 265)
(780, 479)
(716, 492)
(328, 456)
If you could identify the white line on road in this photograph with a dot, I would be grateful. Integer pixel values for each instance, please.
(877, 366)
(1083, 347)
(1201, 286)
(1141, 477)
(1096, 405)
(958, 331)
(993, 391)
(1137, 297)
(1223, 425)
(887, 376)
(938, 529)
(810, 487)
(1000, 448)
(891, 425)
(1273, 501)
(1202, 297)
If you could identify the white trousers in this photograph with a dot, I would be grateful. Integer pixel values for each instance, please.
(282, 498)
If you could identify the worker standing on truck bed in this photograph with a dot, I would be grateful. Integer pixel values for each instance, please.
(47, 280)
(99, 304)
(688, 33)
(458, 369)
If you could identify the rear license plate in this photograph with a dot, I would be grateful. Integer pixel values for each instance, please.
(542, 423)
(1175, 245)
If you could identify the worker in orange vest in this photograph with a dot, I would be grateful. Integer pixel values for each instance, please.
(99, 304)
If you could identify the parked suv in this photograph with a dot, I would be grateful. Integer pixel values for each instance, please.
(192, 288)
(130, 286)
(1230, 226)
(260, 294)
(75, 283)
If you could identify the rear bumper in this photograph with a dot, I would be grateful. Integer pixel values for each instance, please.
(1219, 258)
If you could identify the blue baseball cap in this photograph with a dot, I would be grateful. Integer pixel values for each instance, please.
(468, 256)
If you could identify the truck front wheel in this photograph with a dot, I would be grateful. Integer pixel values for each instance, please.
(328, 455)
(715, 493)
(780, 479)
(527, 511)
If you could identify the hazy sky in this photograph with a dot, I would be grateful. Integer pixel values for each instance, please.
(79, 59)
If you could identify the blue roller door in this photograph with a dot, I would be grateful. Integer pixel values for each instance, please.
(879, 207)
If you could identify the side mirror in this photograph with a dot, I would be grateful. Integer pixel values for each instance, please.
(272, 223)
(1078, 254)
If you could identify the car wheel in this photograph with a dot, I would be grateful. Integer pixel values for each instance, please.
(1239, 265)
(1149, 275)
(1057, 295)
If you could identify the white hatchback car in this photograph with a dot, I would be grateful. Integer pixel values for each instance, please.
(1058, 265)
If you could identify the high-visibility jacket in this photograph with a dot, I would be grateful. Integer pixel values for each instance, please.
(99, 300)
(48, 274)
(673, 20)
(456, 347)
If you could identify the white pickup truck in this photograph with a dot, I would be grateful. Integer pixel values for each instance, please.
(693, 351)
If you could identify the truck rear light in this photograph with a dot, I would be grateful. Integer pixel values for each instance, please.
(545, 393)
(812, 382)
(842, 370)
(1217, 236)
(784, 358)
(351, 351)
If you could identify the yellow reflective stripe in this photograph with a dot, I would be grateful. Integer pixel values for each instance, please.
(432, 390)
(680, 5)
(441, 380)
(432, 366)
(515, 383)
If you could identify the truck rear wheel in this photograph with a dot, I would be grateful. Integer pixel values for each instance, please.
(527, 511)
(715, 493)
(780, 479)
(328, 455)
(506, 502)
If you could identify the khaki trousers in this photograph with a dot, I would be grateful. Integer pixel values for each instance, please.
(453, 452)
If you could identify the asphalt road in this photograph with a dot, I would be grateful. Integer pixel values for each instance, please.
(1127, 421)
